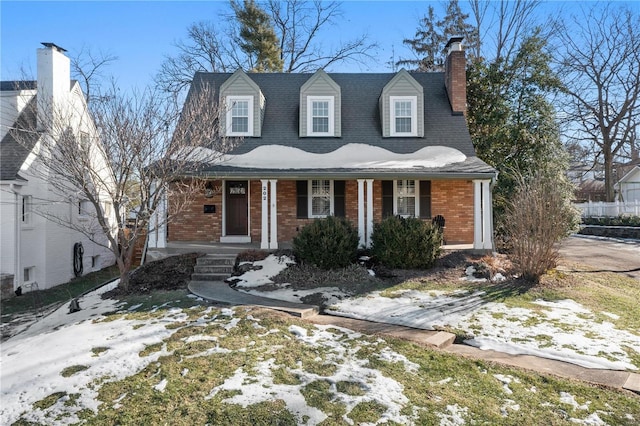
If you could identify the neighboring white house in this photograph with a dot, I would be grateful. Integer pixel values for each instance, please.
(628, 188)
(35, 251)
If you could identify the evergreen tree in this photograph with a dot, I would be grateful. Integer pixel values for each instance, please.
(511, 120)
(257, 37)
(431, 37)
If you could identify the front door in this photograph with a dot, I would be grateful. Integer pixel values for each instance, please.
(236, 201)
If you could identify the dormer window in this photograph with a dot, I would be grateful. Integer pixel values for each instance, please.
(404, 115)
(239, 115)
(320, 118)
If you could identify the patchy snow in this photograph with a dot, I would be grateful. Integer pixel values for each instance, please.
(331, 294)
(350, 156)
(271, 266)
(257, 385)
(562, 330)
(32, 361)
(567, 398)
(454, 416)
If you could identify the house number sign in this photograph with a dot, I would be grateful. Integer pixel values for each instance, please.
(264, 192)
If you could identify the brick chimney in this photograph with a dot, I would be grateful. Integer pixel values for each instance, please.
(455, 76)
(54, 82)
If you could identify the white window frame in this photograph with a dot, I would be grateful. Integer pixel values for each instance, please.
(310, 101)
(414, 115)
(310, 199)
(27, 210)
(83, 208)
(229, 107)
(416, 195)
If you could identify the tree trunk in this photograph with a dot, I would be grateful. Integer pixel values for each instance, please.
(608, 175)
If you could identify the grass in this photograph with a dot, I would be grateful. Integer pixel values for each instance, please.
(59, 294)
(442, 382)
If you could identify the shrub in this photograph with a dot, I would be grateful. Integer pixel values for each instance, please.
(621, 220)
(327, 243)
(538, 216)
(406, 243)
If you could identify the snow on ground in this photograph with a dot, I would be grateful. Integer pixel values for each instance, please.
(257, 385)
(32, 362)
(561, 330)
(269, 267)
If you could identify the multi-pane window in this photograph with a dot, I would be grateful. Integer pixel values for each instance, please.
(320, 116)
(404, 116)
(320, 198)
(239, 116)
(406, 197)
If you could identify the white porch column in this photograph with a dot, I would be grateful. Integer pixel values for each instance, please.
(487, 225)
(361, 224)
(477, 215)
(482, 217)
(158, 223)
(264, 233)
(273, 243)
(369, 212)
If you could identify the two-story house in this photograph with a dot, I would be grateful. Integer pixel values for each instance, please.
(361, 146)
(37, 252)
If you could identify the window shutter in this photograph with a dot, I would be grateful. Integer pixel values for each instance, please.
(302, 189)
(387, 198)
(339, 198)
(425, 199)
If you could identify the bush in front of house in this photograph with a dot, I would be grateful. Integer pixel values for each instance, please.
(537, 217)
(327, 243)
(407, 243)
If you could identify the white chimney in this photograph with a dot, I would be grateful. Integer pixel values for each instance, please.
(54, 82)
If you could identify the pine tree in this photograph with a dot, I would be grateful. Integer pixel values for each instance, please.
(257, 37)
(431, 37)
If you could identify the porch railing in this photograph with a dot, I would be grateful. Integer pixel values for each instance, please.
(602, 209)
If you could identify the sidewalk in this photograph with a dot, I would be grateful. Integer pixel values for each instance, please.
(221, 292)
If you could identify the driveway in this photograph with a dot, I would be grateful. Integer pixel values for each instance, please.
(603, 254)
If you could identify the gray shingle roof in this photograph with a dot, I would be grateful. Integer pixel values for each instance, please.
(15, 147)
(360, 116)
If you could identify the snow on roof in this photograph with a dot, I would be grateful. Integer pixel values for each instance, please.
(352, 156)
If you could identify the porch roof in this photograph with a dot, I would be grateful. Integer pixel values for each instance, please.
(470, 168)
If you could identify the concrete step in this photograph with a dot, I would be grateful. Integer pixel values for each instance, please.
(213, 269)
(209, 277)
(216, 259)
(441, 339)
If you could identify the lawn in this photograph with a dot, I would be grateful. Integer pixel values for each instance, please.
(166, 356)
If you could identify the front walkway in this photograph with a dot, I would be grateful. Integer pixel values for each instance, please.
(221, 292)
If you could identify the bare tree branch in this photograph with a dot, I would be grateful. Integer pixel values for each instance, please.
(599, 63)
(88, 66)
(125, 162)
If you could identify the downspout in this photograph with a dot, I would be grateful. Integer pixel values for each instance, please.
(17, 276)
(493, 183)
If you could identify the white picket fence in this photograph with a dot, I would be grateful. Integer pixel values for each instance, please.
(602, 209)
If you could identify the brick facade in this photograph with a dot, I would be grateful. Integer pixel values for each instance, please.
(452, 199)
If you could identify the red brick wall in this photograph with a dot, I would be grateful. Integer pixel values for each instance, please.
(453, 199)
(192, 224)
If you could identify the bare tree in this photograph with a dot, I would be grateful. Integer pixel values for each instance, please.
(509, 22)
(88, 67)
(299, 26)
(600, 66)
(126, 162)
